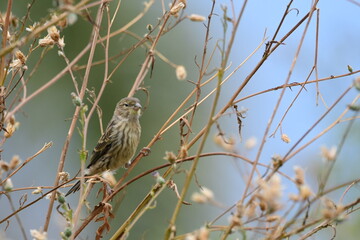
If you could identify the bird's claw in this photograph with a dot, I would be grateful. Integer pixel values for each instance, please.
(128, 164)
(109, 190)
(145, 151)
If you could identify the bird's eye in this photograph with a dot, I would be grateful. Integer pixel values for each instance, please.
(125, 104)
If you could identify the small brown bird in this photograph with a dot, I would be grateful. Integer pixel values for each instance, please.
(119, 142)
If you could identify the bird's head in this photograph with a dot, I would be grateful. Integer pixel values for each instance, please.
(129, 108)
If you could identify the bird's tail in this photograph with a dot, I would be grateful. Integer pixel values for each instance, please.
(74, 188)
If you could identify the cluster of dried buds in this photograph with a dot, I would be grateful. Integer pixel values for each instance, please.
(52, 38)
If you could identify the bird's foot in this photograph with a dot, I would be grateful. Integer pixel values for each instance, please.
(109, 190)
(127, 165)
(145, 151)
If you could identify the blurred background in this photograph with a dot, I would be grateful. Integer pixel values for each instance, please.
(47, 117)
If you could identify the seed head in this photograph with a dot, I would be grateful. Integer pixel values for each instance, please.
(299, 175)
(44, 42)
(251, 209)
(272, 218)
(183, 152)
(54, 33)
(4, 166)
(19, 61)
(8, 186)
(270, 194)
(196, 18)
(181, 72)
(38, 190)
(226, 144)
(64, 176)
(285, 138)
(329, 154)
(277, 160)
(305, 192)
(52, 38)
(14, 162)
(177, 8)
(204, 196)
(38, 235)
(250, 143)
(170, 156)
(10, 129)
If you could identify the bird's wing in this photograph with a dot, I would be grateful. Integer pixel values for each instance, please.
(102, 147)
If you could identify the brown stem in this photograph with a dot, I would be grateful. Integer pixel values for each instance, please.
(4, 40)
(75, 117)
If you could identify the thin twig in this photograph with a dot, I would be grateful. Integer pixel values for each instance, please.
(149, 60)
(35, 201)
(73, 62)
(295, 84)
(19, 43)
(5, 30)
(324, 180)
(190, 174)
(93, 42)
(44, 148)
(18, 219)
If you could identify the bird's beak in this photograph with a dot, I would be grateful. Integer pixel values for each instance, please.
(137, 106)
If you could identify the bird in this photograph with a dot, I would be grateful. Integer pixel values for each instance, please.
(118, 144)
